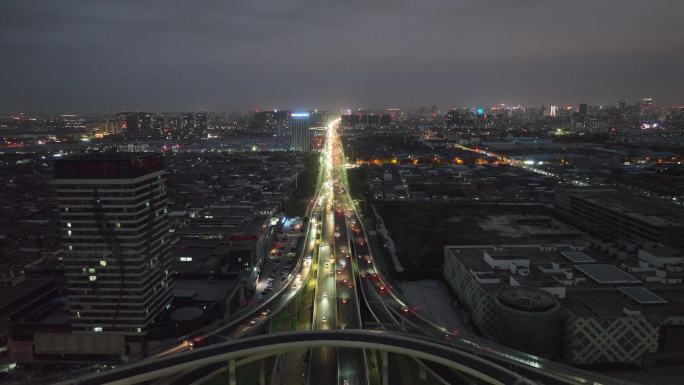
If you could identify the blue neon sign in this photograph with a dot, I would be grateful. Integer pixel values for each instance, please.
(299, 114)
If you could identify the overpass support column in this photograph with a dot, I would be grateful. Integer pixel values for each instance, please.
(232, 378)
(385, 367)
(262, 371)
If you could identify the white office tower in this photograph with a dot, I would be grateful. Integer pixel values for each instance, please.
(115, 231)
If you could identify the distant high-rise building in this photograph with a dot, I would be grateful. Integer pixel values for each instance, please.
(187, 129)
(370, 120)
(395, 114)
(647, 108)
(351, 120)
(543, 111)
(115, 233)
(583, 109)
(299, 131)
(201, 124)
(317, 118)
(270, 122)
(137, 125)
(622, 105)
(71, 124)
(553, 111)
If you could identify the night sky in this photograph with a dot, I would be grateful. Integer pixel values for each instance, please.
(167, 55)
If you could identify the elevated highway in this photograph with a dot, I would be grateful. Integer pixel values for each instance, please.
(343, 266)
(230, 353)
(388, 307)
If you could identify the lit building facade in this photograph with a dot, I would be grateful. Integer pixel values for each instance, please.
(300, 124)
(113, 219)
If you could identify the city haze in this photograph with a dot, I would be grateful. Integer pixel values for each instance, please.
(77, 56)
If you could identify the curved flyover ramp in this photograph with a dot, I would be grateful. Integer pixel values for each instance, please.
(263, 346)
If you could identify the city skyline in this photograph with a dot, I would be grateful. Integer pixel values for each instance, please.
(355, 109)
(85, 57)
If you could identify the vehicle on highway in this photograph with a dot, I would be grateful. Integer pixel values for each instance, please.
(344, 300)
(324, 320)
(325, 294)
(405, 309)
(254, 321)
(265, 312)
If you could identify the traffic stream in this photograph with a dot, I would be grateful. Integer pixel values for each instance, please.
(387, 306)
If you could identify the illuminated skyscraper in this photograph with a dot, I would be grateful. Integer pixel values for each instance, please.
(71, 124)
(299, 130)
(553, 111)
(201, 124)
(115, 236)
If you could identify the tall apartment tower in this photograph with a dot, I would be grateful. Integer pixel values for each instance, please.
(115, 231)
(299, 128)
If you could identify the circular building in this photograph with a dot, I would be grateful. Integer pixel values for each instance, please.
(187, 319)
(528, 319)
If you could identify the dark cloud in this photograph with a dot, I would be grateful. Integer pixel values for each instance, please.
(221, 55)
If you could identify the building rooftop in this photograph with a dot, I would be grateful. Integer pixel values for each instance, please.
(114, 156)
(203, 290)
(603, 273)
(587, 280)
(654, 211)
(108, 165)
